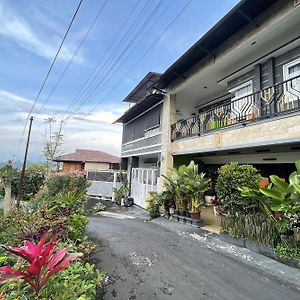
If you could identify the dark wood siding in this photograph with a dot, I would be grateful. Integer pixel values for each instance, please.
(283, 59)
(136, 129)
(271, 71)
(264, 75)
(242, 79)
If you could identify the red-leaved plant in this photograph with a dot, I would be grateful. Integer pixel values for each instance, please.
(43, 261)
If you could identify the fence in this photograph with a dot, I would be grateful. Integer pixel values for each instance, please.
(143, 181)
(103, 182)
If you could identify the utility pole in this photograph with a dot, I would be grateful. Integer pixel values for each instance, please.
(20, 189)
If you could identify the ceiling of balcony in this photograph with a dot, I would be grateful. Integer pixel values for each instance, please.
(211, 81)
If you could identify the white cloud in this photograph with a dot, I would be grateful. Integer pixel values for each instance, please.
(16, 28)
(95, 131)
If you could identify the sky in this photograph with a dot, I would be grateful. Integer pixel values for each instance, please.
(96, 68)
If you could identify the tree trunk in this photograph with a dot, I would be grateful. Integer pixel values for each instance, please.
(8, 203)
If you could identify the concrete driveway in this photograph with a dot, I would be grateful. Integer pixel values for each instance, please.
(146, 260)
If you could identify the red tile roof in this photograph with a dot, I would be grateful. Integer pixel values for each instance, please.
(82, 155)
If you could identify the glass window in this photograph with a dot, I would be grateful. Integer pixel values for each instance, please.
(291, 74)
(240, 101)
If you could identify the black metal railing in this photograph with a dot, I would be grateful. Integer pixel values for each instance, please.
(278, 99)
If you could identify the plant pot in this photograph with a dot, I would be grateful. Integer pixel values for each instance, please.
(187, 214)
(195, 215)
(208, 199)
(172, 211)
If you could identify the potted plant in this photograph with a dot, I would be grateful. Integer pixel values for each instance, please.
(185, 184)
(195, 209)
(193, 184)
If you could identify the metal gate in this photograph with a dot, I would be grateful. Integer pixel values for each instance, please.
(143, 181)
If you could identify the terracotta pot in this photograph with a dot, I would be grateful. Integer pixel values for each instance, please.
(195, 215)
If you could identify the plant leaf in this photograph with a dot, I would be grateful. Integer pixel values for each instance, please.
(273, 194)
(282, 185)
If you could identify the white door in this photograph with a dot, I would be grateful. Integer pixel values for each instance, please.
(143, 181)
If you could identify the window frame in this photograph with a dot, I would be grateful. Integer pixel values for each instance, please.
(240, 86)
(285, 69)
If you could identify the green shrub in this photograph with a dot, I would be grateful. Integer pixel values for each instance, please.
(121, 192)
(73, 200)
(232, 177)
(79, 280)
(77, 227)
(288, 251)
(153, 204)
(33, 180)
(62, 184)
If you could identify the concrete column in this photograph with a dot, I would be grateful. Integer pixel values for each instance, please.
(168, 118)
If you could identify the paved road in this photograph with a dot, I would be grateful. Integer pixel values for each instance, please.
(147, 261)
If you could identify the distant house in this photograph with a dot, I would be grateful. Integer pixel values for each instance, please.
(82, 161)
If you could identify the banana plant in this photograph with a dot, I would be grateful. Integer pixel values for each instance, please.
(285, 197)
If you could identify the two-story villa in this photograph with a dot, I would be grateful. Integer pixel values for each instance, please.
(235, 94)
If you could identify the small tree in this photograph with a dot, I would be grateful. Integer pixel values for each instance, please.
(232, 177)
(53, 142)
(6, 175)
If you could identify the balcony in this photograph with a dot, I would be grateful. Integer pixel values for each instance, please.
(149, 143)
(282, 98)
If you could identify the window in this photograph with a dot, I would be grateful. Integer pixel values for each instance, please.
(291, 72)
(241, 92)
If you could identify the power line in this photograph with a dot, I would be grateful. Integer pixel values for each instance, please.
(141, 58)
(49, 71)
(112, 74)
(110, 70)
(74, 55)
(93, 78)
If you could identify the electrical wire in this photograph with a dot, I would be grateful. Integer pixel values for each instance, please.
(141, 58)
(110, 69)
(99, 70)
(48, 73)
(74, 55)
(124, 59)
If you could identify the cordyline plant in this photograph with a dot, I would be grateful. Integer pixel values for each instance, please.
(43, 261)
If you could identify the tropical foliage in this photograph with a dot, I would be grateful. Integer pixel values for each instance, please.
(232, 177)
(186, 184)
(268, 215)
(42, 263)
(57, 208)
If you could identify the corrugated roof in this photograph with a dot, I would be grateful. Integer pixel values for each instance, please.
(141, 90)
(140, 107)
(82, 155)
